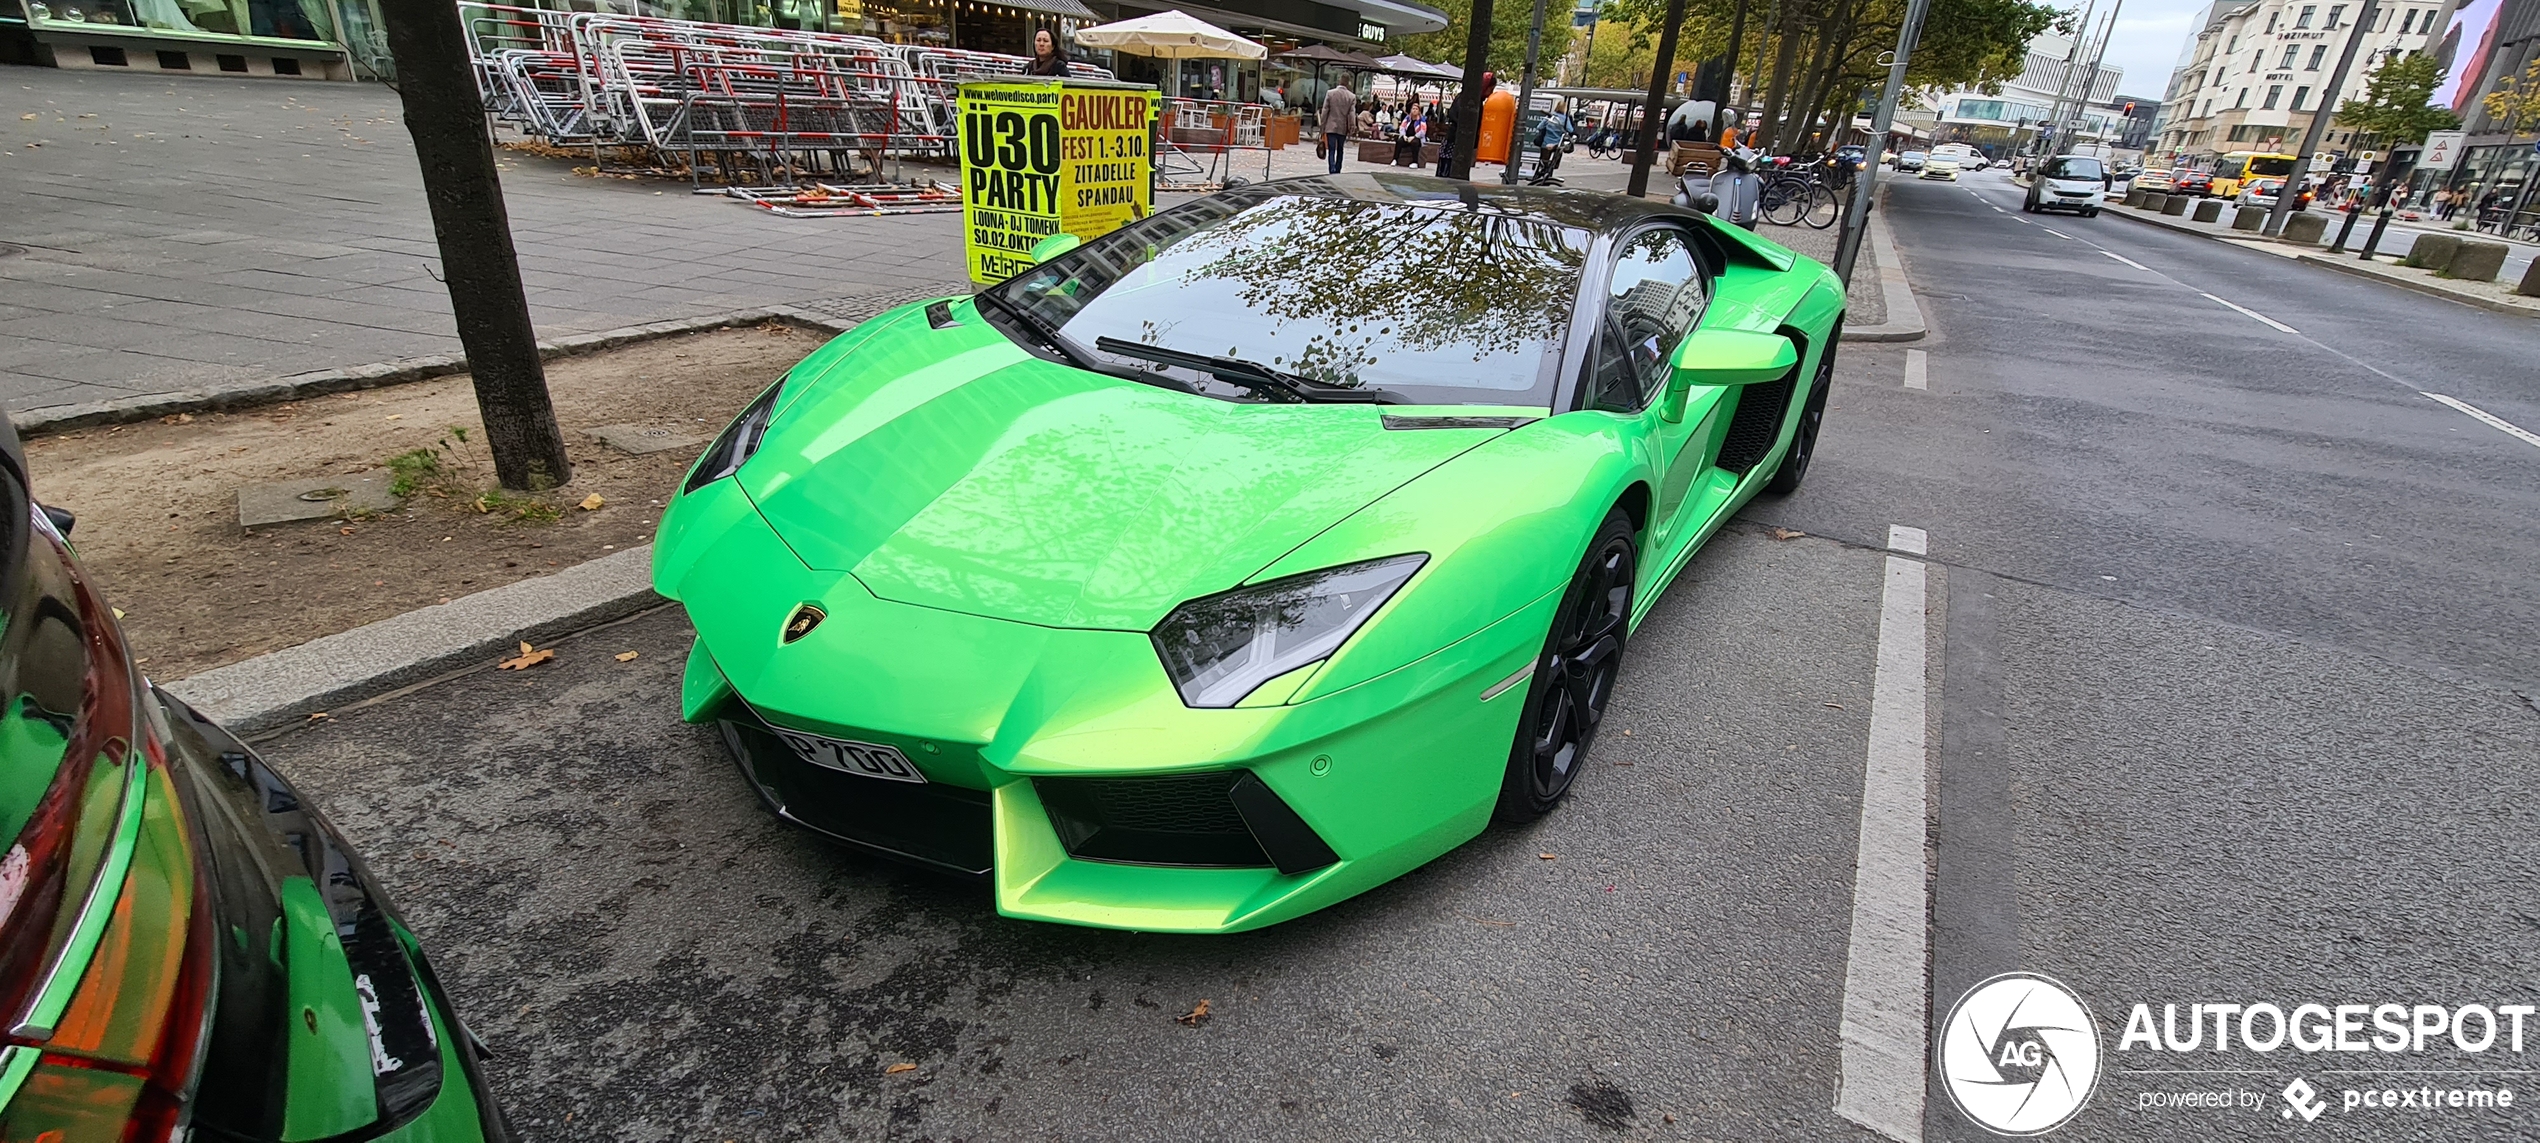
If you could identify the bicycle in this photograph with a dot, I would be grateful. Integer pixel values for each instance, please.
(1800, 195)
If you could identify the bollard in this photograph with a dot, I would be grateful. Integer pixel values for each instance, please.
(2134, 196)
(2154, 200)
(2432, 251)
(2475, 261)
(2209, 210)
(2177, 205)
(2305, 227)
(2530, 287)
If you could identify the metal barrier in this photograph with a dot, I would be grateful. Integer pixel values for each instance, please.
(758, 104)
(1196, 141)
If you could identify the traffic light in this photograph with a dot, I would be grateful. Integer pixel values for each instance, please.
(2129, 107)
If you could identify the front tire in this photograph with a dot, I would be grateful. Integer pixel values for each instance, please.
(1574, 676)
(1812, 414)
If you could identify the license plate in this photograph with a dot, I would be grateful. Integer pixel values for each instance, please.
(861, 758)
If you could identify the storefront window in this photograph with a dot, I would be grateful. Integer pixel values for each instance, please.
(272, 19)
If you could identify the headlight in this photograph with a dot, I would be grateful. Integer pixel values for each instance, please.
(738, 441)
(1219, 648)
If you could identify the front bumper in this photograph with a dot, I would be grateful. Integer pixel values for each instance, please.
(1062, 766)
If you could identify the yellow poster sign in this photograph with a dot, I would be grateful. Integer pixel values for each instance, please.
(1044, 157)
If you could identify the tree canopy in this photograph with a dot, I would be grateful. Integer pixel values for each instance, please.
(2394, 107)
(1509, 20)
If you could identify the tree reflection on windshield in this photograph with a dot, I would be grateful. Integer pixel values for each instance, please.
(1451, 303)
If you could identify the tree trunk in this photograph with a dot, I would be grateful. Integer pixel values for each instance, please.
(447, 120)
(1783, 58)
(1467, 113)
(1737, 40)
(1831, 63)
(1653, 114)
(1794, 129)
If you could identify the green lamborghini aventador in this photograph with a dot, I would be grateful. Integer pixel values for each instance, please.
(1225, 566)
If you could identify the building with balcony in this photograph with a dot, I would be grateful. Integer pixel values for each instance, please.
(1998, 123)
(2256, 71)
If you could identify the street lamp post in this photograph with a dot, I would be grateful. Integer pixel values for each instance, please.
(1908, 33)
(2287, 197)
(1525, 99)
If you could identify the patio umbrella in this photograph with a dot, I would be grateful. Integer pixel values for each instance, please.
(1171, 35)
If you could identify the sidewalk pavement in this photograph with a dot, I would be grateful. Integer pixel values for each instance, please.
(185, 232)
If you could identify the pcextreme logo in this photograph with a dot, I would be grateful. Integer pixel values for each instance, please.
(2019, 1054)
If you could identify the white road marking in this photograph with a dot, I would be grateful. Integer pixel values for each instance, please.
(2126, 260)
(1917, 370)
(2252, 313)
(2057, 233)
(1998, 210)
(2490, 419)
(1911, 541)
(1885, 1026)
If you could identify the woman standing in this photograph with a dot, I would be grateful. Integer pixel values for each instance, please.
(1045, 57)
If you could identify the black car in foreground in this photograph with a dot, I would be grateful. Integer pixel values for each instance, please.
(188, 951)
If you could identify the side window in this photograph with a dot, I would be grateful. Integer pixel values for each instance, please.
(1655, 297)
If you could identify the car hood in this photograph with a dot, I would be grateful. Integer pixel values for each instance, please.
(948, 470)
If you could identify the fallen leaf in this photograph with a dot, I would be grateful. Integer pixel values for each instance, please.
(1197, 1016)
(1627, 734)
(1786, 534)
(317, 714)
(1549, 856)
(118, 612)
(1836, 705)
(528, 658)
(28, 115)
(591, 503)
(1670, 1117)
(627, 656)
(344, 531)
(896, 1069)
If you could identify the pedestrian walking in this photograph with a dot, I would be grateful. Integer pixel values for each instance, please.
(1046, 59)
(1340, 114)
(2443, 204)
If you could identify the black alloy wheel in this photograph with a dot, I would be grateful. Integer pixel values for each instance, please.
(1812, 415)
(1574, 677)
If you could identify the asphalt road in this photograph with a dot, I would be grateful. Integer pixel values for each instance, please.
(2225, 630)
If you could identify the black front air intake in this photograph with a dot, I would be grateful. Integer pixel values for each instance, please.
(1757, 423)
(1226, 818)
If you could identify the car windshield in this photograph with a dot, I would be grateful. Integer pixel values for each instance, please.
(2278, 165)
(1913, 155)
(1435, 303)
(2072, 167)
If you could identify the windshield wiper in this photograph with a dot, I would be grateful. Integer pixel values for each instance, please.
(1039, 327)
(1254, 376)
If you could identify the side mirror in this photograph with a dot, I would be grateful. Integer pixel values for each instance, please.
(1053, 246)
(1726, 357)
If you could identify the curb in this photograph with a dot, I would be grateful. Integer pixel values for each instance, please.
(833, 317)
(2428, 288)
(2164, 223)
(1904, 314)
(288, 685)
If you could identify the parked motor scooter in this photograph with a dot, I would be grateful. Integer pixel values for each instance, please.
(1730, 193)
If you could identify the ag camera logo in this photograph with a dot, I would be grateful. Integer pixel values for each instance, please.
(2019, 1054)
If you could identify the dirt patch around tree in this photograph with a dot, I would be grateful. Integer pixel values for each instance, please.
(157, 502)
